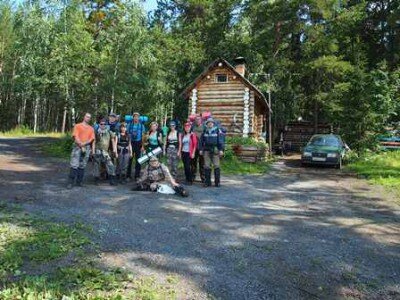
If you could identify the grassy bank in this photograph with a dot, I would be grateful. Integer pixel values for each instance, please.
(382, 168)
(234, 166)
(41, 259)
(60, 147)
(24, 131)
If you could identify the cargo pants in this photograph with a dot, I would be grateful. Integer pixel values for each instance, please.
(103, 157)
(211, 157)
(79, 157)
(173, 160)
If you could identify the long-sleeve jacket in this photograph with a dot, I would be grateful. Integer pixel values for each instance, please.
(211, 139)
(193, 143)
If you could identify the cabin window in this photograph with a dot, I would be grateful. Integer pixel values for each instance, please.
(221, 78)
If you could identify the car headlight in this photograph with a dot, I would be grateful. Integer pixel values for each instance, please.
(332, 155)
(307, 154)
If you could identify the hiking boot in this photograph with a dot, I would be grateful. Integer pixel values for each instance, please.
(79, 178)
(112, 180)
(71, 177)
(96, 180)
(217, 177)
(207, 179)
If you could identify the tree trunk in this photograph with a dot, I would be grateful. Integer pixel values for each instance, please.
(72, 103)
(315, 116)
(114, 80)
(64, 121)
(36, 114)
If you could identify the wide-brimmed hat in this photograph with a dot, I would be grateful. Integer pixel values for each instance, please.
(114, 115)
(136, 113)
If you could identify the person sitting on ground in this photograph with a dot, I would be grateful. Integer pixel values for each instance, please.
(156, 174)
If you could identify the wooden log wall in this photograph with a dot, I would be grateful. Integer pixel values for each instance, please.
(258, 120)
(224, 100)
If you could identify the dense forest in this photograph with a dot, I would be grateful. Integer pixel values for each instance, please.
(334, 61)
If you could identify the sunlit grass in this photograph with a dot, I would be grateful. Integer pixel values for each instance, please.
(42, 259)
(382, 168)
(24, 131)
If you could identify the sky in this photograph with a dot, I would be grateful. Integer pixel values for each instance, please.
(150, 5)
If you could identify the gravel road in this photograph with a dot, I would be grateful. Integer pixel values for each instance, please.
(295, 233)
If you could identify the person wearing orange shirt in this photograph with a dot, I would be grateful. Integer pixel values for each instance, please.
(83, 135)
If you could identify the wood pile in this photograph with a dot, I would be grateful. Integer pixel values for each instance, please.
(297, 134)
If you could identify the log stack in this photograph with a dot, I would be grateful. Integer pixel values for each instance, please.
(297, 134)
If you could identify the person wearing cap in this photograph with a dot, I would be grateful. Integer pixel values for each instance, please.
(155, 174)
(198, 160)
(104, 137)
(211, 147)
(124, 148)
(189, 146)
(83, 135)
(113, 123)
(153, 139)
(136, 132)
(173, 148)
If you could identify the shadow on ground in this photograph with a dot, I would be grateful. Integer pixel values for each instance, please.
(295, 233)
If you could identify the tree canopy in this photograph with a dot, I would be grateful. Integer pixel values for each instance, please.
(331, 61)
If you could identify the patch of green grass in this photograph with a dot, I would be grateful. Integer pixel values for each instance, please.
(234, 166)
(41, 259)
(59, 147)
(381, 168)
(26, 239)
(25, 131)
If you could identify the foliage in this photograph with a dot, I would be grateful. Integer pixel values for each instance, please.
(29, 245)
(230, 164)
(237, 140)
(330, 61)
(380, 168)
(59, 147)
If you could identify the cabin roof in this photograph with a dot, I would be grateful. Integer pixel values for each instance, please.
(213, 65)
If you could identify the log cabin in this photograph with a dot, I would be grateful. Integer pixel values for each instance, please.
(233, 100)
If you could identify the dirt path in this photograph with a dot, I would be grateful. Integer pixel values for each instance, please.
(294, 233)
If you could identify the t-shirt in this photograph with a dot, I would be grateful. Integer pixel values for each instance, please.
(198, 130)
(186, 143)
(103, 139)
(83, 132)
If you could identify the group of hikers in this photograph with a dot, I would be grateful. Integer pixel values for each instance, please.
(116, 146)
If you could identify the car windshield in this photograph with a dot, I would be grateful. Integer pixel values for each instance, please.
(321, 140)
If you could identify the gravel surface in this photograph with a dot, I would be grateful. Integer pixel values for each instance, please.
(295, 233)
